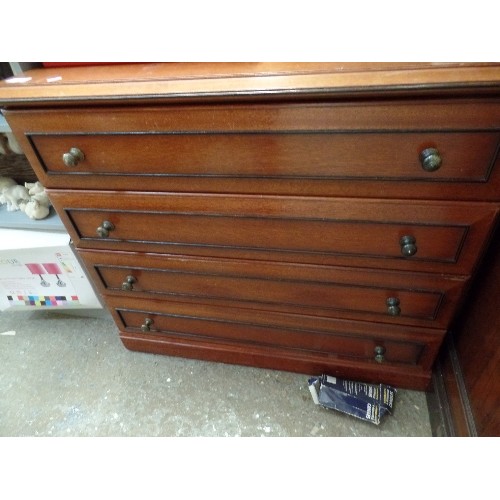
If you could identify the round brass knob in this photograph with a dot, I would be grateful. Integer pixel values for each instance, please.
(127, 285)
(104, 229)
(393, 306)
(146, 327)
(408, 246)
(73, 157)
(379, 354)
(430, 159)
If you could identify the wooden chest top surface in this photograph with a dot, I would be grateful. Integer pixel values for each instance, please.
(181, 81)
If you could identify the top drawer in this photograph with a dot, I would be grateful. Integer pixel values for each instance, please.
(422, 149)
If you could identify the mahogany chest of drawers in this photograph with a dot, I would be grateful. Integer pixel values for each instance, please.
(306, 217)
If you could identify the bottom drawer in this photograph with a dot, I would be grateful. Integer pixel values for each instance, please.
(370, 352)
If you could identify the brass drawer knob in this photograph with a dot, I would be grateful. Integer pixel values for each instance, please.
(73, 157)
(379, 354)
(430, 159)
(393, 306)
(146, 327)
(408, 245)
(128, 284)
(104, 229)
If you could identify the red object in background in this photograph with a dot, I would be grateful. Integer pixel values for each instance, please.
(68, 64)
(36, 268)
(52, 268)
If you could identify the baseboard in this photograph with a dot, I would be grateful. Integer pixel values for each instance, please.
(449, 407)
(438, 406)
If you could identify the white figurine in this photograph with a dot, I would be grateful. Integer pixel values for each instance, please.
(6, 182)
(30, 198)
(34, 187)
(13, 195)
(34, 209)
(37, 192)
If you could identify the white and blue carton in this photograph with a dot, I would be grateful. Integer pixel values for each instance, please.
(369, 402)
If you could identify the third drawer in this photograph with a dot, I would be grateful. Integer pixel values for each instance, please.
(330, 292)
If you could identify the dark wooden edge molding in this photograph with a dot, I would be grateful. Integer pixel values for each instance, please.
(449, 407)
(462, 398)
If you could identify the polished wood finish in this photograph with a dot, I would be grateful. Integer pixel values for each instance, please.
(202, 82)
(334, 231)
(334, 292)
(356, 149)
(273, 214)
(265, 154)
(301, 344)
(334, 336)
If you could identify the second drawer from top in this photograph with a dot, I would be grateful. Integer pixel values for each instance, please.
(442, 237)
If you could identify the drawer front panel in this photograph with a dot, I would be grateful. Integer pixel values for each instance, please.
(352, 340)
(338, 149)
(284, 235)
(391, 156)
(334, 292)
(371, 233)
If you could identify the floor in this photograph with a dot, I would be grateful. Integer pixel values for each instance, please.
(69, 375)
